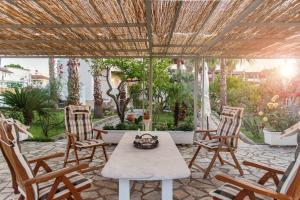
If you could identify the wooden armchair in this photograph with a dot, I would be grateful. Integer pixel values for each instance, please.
(81, 134)
(66, 183)
(287, 188)
(225, 139)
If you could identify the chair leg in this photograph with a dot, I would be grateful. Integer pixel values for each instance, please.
(237, 164)
(104, 152)
(220, 159)
(211, 164)
(76, 155)
(92, 155)
(195, 156)
(67, 155)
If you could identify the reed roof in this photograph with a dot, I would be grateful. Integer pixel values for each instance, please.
(158, 28)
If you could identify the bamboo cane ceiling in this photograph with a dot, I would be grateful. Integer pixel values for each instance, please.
(158, 28)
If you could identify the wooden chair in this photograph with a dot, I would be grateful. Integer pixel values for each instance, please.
(19, 127)
(286, 188)
(225, 139)
(80, 134)
(66, 183)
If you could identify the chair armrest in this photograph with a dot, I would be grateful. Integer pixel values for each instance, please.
(205, 131)
(264, 167)
(55, 174)
(46, 157)
(251, 187)
(99, 130)
(224, 136)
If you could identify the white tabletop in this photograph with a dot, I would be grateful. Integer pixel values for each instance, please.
(161, 163)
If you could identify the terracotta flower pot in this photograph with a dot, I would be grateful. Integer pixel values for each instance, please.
(131, 117)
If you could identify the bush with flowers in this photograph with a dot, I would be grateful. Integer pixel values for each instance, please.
(275, 116)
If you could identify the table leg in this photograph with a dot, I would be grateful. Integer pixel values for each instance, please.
(167, 190)
(124, 189)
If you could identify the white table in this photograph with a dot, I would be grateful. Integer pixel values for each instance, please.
(163, 163)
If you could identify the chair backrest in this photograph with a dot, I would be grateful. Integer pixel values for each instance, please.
(21, 167)
(290, 181)
(230, 124)
(78, 121)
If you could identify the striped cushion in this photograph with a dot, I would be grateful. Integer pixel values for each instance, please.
(75, 178)
(291, 172)
(78, 121)
(89, 143)
(212, 144)
(231, 120)
(229, 192)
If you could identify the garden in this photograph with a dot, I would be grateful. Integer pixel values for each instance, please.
(271, 105)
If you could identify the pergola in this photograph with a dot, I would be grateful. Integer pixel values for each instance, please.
(145, 28)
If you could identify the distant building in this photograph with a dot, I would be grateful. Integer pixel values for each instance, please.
(39, 80)
(20, 75)
(5, 76)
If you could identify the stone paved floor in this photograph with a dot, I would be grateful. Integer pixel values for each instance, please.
(191, 188)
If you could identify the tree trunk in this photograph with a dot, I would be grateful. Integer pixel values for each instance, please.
(98, 100)
(28, 117)
(213, 75)
(223, 84)
(73, 82)
(52, 82)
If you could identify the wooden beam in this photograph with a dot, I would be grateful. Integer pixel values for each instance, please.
(63, 26)
(272, 24)
(148, 5)
(69, 40)
(233, 24)
(69, 51)
(176, 45)
(177, 11)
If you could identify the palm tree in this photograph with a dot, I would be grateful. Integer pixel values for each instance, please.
(73, 82)
(52, 82)
(212, 64)
(96, 68)
(223, 84)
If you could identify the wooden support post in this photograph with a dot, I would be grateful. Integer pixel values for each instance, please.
(150, 82)
(196, 90)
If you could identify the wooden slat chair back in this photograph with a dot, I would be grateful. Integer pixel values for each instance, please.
(80, 133)
(78, 121)
(18, 162)
(287, 188)
(225, 139)
(230, 124)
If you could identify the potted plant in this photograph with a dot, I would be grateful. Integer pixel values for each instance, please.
(146, 121)
(275, 118)
(131, 115)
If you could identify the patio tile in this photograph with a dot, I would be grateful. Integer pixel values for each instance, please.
(192, 188)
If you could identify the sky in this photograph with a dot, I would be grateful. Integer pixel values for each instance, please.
(40, 64)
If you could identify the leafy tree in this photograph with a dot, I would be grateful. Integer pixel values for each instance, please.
(132, 70)
(243, 94)
(14, 85)
(15, 66)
